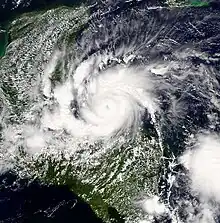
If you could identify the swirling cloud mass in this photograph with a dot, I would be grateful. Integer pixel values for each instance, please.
(103, 105)
(125, 104)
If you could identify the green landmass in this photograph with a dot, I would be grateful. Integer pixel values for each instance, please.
(198, 3)
(112, 183)
(187, 3)
(3, 41)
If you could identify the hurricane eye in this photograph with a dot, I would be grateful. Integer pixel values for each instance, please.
(74, 106)
(111, 98)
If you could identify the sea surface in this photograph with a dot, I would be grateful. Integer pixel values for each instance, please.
(109, 111)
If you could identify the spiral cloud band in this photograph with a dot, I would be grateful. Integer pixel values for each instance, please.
(107, 104)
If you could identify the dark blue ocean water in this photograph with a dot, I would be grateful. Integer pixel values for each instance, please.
(34, 202)
(22, 201)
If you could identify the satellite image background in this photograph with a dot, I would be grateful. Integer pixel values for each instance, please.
(110, 111)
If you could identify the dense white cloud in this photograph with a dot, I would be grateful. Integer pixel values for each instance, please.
(153, 206)
(203, 164)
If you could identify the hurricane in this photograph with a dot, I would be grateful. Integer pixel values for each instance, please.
(101, 104)
(120, 102)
